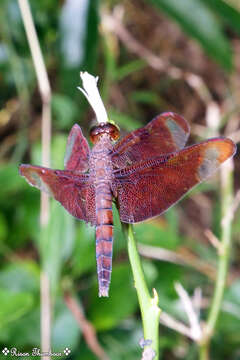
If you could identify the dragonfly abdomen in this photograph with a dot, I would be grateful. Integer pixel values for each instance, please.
(104, 236)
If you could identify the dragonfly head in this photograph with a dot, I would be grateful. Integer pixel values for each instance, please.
(104, 128)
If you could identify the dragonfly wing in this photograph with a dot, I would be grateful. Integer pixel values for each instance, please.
(74, 192)
(77, 151)
(165, 134)
(147, 189)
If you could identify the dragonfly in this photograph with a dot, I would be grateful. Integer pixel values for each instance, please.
(145, 173)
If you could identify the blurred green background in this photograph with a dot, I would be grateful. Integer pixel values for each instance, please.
(150, 56)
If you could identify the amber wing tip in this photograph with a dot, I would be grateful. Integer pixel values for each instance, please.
(229, 149)
(234, 147)
(231, 144)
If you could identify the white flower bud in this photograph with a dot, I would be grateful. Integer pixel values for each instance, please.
(90, 90)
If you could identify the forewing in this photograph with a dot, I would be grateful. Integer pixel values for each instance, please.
(165, 134)
(77, 151)
(151, 187)
(74, 192)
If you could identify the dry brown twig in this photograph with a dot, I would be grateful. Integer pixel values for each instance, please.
(168, 321)
(177, 258)
(197, 301)
(233, 209)
(87, 328)
(113, 23)
(213, 240)
(190, 311)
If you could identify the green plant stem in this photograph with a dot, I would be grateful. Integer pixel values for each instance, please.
(148, 305)
(223, 258)
(203, 352)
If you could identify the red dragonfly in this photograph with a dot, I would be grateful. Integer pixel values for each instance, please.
(145, 172)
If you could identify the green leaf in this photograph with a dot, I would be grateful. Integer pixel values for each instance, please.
(79, 41)
(119, 238)
(65, 111)
(65, 330)
(21, 209)
(91, 41)
(157, 233)
(83, 257)
(233, 294)
(21, 276)
(58, 148)
(13, 306)
(106, 313)
(168, 275)
(23, 331)
(229, 320)
(145, 97)
(123, 342)
(129, 68)
(196, 19)
(57, 241)
(3, 228)
(124, 120)
(10, 180)
(228, 13)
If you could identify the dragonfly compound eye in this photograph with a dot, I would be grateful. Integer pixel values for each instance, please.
(104, 128)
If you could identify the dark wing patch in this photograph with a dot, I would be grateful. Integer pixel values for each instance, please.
(77, 151)
(149, 188)
(165, 134)
(74, 192)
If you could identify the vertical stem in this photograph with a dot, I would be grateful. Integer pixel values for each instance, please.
(46, 141)
(45, 92)
(223, 260)
(45, 314)
(148, 305)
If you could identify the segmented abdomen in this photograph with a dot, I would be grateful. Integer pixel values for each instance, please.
(104, 236)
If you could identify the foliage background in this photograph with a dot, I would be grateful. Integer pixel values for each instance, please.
(188, 37)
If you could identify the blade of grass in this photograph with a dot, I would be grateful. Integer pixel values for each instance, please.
(197, 19)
